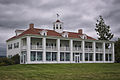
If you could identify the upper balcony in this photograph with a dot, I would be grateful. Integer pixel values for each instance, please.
(88, 50)
(36, 47)
(51, 48)
(64, 48)
(78, 49)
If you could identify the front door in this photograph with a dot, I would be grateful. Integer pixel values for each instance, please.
(23, 57)
(77, 58)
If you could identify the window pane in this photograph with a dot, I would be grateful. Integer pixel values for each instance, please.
(39, 56)
(90, 56)
(67, 56)
(97, 58)
(33, 55)
(54, 56)
(48, 56)
(110, 57)
(80, 56)
(101, 57)
(73, 56)
(61, 56)
(86, 56)
(106, 57)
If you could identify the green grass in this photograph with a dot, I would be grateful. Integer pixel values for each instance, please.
(83, 71)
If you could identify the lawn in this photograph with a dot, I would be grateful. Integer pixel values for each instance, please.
(90, 71)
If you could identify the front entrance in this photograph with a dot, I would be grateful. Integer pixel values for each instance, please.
(23, 57)
(77, 58)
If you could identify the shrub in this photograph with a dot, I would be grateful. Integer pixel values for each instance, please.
(16, 59)
(6, 61)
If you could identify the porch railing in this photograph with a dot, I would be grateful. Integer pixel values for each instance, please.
(108, 50)
(88, 49)
(24, 47)
(99, 50)
(38, 47)
(65, 48)
(51, 48)
(77, 49)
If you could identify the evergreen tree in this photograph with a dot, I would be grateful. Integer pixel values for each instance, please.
(103, 30)
(117, 50)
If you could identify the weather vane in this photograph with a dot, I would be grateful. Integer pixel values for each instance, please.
(58, 16)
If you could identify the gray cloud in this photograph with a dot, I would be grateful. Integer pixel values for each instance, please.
(17, 14)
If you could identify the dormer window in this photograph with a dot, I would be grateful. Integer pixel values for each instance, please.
(44, 32)
(84, 36)
(65, 34)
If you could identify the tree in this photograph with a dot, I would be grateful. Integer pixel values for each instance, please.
(103, 30)
(117, 50)
(16, 59)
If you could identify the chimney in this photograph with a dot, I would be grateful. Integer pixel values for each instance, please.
(80, 31)
(31, 26)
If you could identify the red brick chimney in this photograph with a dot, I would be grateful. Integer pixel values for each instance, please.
(80, 31)
(31, 26)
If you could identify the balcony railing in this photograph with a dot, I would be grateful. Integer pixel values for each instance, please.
(108, 50)
(51, 48)
(99, 50)
(77, 49)
(88, 50)
(24, 47)
(36, 47)
(65, 48)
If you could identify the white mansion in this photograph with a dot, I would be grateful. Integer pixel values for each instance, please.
(57, 46)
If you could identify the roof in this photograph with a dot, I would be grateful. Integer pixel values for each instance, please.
(36, 31)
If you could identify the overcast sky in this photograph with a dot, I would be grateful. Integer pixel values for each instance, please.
(76, 14)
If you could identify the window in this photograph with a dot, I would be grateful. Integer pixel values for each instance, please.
(54, 56)
(51, 56)
(61, 56)
(108, 57)
(48, 56)
(10, 46)
(33, 55)
(88, 56)
(56, 27)
(67, 56)
(16, 45)
(99, 57)
(64, 56)
(39, 56)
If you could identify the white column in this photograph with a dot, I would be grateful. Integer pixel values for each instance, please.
(58, 48)
(71, 51)
(103, 51)
(83, 50)
(94, 51)
(44, 49)
(28, 48)
(113, 52)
